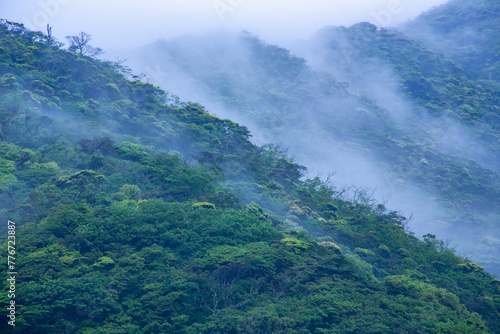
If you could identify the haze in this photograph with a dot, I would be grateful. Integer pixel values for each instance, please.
(126, 23)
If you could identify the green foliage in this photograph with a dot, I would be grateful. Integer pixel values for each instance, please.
(104, 262)
(295, 244)
(131, 191)
(332, 246)
(80, 179)
(464, 31)
(428, 121)
(8, 81)
(204, 205)
(131, 151)
(113, 90)
(364, 252)
(469, 268)
(139, 229)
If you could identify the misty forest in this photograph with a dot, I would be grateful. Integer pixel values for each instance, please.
(344, 183)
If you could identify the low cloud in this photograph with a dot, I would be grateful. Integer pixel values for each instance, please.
(127, 23)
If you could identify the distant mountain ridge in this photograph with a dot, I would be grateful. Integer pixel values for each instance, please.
(466, 31)
(136, 212)
(370, 103)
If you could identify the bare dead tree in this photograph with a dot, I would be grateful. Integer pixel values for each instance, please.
(50, 38)
(80, 44)
(328, 181)
(405, 223)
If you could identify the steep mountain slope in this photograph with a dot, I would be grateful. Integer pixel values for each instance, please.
(374, 106)
(428, 80)
(136, 213)
(466, 31)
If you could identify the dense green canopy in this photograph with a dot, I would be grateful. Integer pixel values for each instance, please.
(138, 213)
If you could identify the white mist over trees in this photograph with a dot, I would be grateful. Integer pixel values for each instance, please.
(139, 212)
(338, 110)
(120, 24)
(368, 83)
(292, 24)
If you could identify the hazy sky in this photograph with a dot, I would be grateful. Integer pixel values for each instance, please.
(125, 23)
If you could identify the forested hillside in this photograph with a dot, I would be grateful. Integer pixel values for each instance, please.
(466, 31)
(138, 213)
(368, 103)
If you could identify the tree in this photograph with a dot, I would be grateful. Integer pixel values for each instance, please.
(51, 41)
(7, 117)
(50, 38)
(80, 44)
(220, 285)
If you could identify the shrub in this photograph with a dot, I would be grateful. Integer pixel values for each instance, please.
(204, 205)
(104, 262)
(364, 252)
(332, 246)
